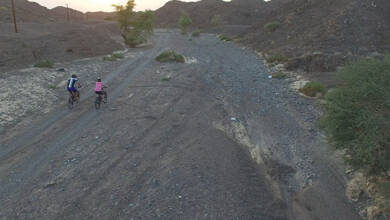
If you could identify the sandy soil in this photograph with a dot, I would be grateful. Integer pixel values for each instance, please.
(219, 140)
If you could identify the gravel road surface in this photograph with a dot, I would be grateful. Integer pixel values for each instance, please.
(213, 138)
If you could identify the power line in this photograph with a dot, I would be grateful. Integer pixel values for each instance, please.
(14, 15)
(67, 12)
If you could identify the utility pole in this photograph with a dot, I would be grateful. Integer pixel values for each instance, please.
(14, 15)
(67, 12)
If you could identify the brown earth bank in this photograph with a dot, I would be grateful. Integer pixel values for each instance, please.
(56, 42)
(317, 36)
(213, 138)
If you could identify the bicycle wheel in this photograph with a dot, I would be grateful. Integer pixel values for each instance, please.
(97, 102)
(70, 102)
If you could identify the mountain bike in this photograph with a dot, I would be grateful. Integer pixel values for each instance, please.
(99, 99)
(73, 98)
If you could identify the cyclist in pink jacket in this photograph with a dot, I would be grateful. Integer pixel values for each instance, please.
(99, 89)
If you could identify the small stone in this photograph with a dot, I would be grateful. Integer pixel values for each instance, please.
(279, 67)
(50, 184)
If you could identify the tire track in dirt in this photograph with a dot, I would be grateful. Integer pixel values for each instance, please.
(58, 114)
(116, 162)
(159, 122)
(169, 138)
(34, 163)
(61, 113)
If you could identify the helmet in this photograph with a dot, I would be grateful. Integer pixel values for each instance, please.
(99, 79)
(74, 76)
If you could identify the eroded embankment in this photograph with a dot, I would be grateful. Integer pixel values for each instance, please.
(277, 126)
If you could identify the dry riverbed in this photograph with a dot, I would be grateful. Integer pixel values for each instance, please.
(213, 138)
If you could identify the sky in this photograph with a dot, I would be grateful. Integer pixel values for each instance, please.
(102, 5)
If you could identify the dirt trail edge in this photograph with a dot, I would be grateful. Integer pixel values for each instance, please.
(212, 138)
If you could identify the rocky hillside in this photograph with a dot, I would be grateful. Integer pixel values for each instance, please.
(56, 42)
(100, 15)
(316, 35)
(236, 12)
(44, 35)
(60, 14)
(27, 11)
(323, 34)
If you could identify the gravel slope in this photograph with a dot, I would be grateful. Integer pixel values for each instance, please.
(56, 42)
(219, 140)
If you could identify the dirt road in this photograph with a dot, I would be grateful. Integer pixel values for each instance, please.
(210, 139)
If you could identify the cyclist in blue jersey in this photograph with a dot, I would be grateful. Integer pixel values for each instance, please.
(71, 87)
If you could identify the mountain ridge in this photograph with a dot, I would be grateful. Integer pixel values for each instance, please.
(27, 11)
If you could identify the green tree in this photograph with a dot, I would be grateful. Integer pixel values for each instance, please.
(184, 22)
(125, 14)
(142, 28)
(137, 27)
(357, 115)
(145, 22)
(134, 37)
